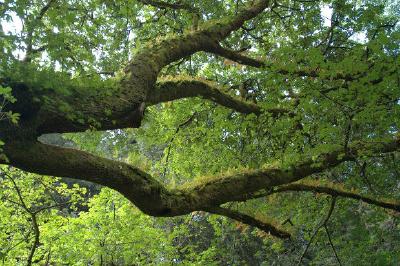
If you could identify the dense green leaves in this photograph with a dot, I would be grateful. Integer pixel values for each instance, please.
(333, 64)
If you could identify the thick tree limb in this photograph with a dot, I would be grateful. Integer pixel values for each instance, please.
(172, 49)
(44, 110)
(237, 187)
(246, 219)
(140, 188)
(185, 87)
(125, 107)
(152, 197)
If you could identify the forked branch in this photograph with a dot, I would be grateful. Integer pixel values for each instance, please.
(323, 223)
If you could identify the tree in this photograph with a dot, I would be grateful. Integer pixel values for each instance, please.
(308, 97)
(25, 213)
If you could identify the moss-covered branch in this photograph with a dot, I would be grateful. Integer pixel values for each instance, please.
(169, 89)
(214, 191)
(155, 199)
(137, 186)
(122, 106)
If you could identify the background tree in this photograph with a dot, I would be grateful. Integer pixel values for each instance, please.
(25, 213)
(311, 105)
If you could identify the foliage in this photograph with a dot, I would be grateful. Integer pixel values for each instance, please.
(27, 200)
(333, 64)
(7, 98)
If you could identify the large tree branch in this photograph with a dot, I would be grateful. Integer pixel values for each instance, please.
(95, 109)
(237, 187)
(152, 197)
(169, 89)
(166, 51)
(140, 188)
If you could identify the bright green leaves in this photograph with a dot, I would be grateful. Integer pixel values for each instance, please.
(338, 89)
(7, 98)
(28, 197)
(112, 230)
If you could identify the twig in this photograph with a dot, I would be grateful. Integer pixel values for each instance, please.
(322, 223)
(331, 243)
(21, 199)
(31, 28)
(178, 128)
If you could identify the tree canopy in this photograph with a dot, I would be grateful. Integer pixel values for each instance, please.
(233, 108)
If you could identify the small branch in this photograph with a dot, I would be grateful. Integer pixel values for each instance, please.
(178, 128)
(21, 199)
(49, 207)
(36, 239)
(322, 224)
(246, 219)
(31, 28)
(331, 190)
(331, 243)
(288, 220)
(35, 225)
(239, 57)
(44, 9)
(363, 174)
(348, 131)
(235, 56)
(39, 49)
(14, 202)
(165, 5)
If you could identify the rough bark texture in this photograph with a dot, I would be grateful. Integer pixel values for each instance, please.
(152, 197)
